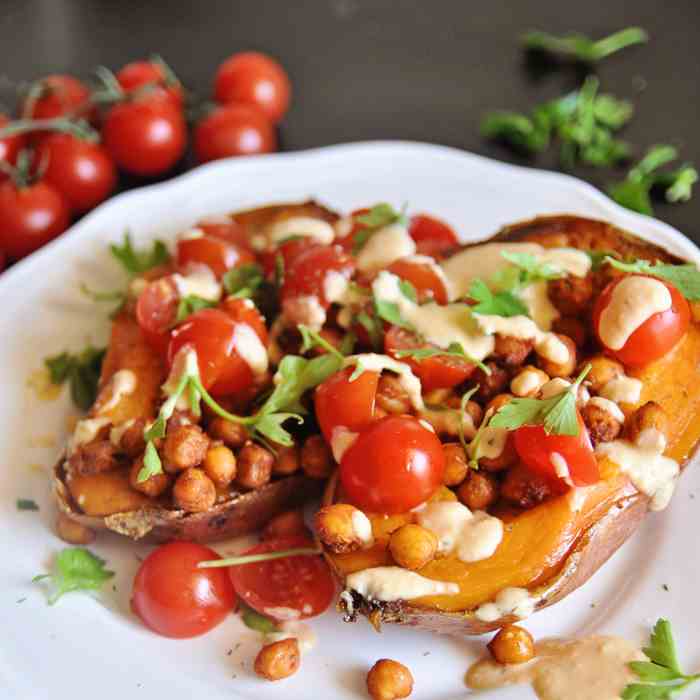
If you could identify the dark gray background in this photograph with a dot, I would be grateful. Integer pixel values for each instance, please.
(384, 69)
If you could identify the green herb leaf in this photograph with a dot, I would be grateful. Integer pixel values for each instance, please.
(679, 183)
(462, 407)
(662, 647)
(580, 47)
(191, 304)
(530, 134)
(534, 269)
(347, 345)
(495, 304)
(599, 258)
(310, 338)
(453, 350)
(59, 367)
(408, 290)
(389, 312)
(76, 569)
(685, 277)
(136, 262)
(26, 504)
(651, 672)
(255, 621)
(117, 295)
(632, 195)
(611, 111)
(81, 370)
(244, 281)
(151, 463)
(379, 216)
(270, 425)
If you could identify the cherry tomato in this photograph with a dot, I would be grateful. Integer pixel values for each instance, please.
(256, 79)
(234, 130)
(59, 96)
(289, 251)
(230, 231)
(340, 402)
(656, 336)
(438, 372)
(152, 73)
(30, 216)
(301, 584)
(81, 171)
(537, 450)
(3, 260)
(348, 240)
(393, 466)
(10, 146)
(176, 599)
(156, 311)
(145, 137)
(211, 332)
(216, 253)
(432, 236)
(427, 283)
(306, 275)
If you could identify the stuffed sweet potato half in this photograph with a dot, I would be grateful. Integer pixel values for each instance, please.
(534, 397)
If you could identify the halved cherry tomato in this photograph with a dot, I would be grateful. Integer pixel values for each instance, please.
(156, 310)
(306, 275)
(30, 216)
(244, 311)
(234, 130)
(340, 402)
(394, 465)
(211, 333)
(432, 236)
(176, 599)
(217, 253)
(254, 78)
(58, 96)
(537, 449)
(656, 336)
(82, 171)
(427, 283)
(141, 73)
(230, 231)
(438, 372)
(281, 588)
(289, 251)
(10, 146)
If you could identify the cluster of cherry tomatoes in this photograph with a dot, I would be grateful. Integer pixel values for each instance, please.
(61, 156)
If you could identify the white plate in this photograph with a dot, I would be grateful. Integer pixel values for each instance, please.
(84, 647)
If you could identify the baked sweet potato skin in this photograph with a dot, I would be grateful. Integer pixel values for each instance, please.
(621, 516)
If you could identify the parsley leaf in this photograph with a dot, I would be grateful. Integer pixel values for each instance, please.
(580, 47)
(191, 304)
(311, 338)
(389, 311)
(685, 277)
(494, 303)
(255, 621)
(26, 504)
(526, 133)
(453, 350)
(599, 258)
(243, 281)
(116, 295)
(556, 414)
(661, 676)
(136, 262)
(76, 569)
(379, 216)
(462, 408)
(82, 371)
(533, 270)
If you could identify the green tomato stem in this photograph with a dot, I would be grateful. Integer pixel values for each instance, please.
(253, 558)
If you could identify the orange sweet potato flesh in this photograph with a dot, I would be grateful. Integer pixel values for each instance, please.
(555, 547)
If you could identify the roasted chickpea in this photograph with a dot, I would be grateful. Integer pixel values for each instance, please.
(72, 531)
(290, 522)
(528, 381)
(389, 680)
(564, 369)
(287, 461)
(94, 458)
(152, 487)
(490, 384)
(456, 464)
(194, 491)
(343, 528)
(648, 427)
(185, 446)
(316, 458)
(278, 660)
(573, 327)
(524, 489)
(391, 396)
(478, 491)
(511, 351)
(232, 434)
(570, 295)
(603, 370)
(131, 441)
(220, 465)
(498, 402)
(254, 466)
(512, 645)
(603, 424)
(413, 546)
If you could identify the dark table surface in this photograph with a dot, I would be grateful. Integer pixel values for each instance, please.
(385, 69)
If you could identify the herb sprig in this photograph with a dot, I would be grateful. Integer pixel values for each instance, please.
(243, 281)
(379, 216)
(685, 278)
(191, 304)
(135, 261)
(502, 303)
(453, 350)
(81, 371)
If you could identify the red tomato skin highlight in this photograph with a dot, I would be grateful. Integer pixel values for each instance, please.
(156, 310)
(214, 252)
(425, 281)
(432, 236)
(303, 584)
(307, 272)
(174, 598)
(254, 78)
(394, 465)
(657, 336)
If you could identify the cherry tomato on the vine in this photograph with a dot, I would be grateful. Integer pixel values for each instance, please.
(654, 337)
(176, 599)
(82, 171)
(10, 146)
(394, 465)
(545, 454)
(30, 216)
(427, 283)
(217, 253)
(254, 78)
(58, 96)
(432, 236)
(234, 130)
(145, 137)
(153, 74)
(280, 588)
